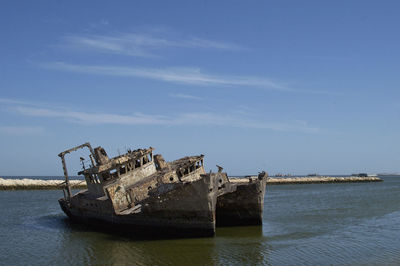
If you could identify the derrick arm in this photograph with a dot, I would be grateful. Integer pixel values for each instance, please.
(62, 156)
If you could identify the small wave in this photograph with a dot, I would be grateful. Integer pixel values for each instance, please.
(354, 244)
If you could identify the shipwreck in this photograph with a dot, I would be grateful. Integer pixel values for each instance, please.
(142, 193)
(244, 204)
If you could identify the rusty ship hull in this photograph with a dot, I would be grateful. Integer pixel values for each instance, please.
(143, 194)
(244, 205)
(140, 193)
(185, 210)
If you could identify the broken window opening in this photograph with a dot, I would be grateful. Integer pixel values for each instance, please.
(179, 173)
(106, 176)
(114, 173)
(122, 170)
(89, 177)
(96, 178)
(130, 166)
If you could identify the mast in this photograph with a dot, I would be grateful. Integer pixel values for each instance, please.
(62, 156)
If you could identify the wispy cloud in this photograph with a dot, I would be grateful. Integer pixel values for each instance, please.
(141, 44)
(93, 118)
(12, 101)
(185, 119)
(185, 96)
(193, 76)
(21, 130)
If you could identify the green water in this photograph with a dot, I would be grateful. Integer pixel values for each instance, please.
(356, 223)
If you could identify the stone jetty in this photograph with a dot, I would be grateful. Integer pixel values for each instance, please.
(322, 179)
(26, 183)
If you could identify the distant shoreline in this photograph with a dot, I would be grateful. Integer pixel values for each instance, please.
(38, 184)
(322, 179)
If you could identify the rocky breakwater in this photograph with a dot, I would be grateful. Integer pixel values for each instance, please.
(27, 183)
(321, 179)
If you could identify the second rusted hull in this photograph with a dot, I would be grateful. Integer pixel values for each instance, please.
(244, 206)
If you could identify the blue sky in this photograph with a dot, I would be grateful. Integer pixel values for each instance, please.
(284, 86)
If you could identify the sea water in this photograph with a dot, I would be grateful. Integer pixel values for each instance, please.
(335, 224)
